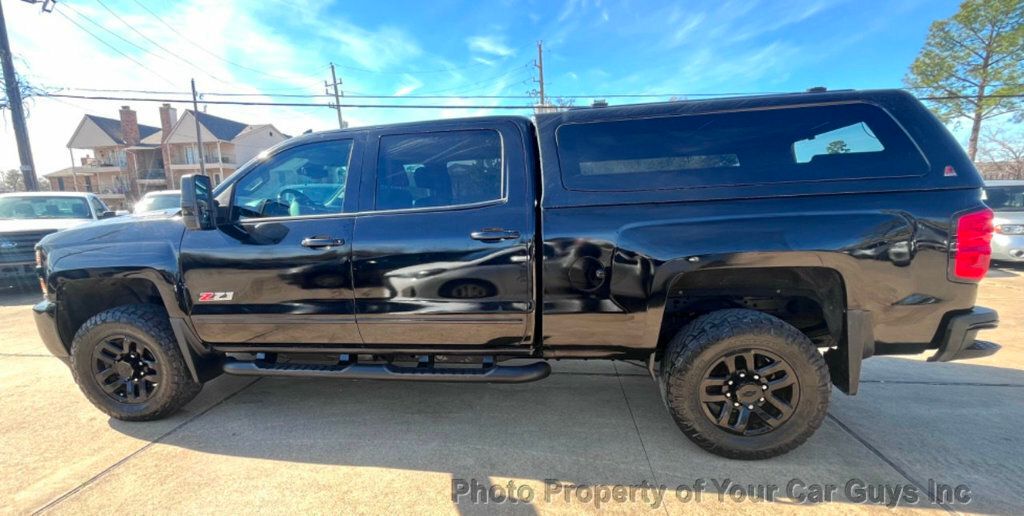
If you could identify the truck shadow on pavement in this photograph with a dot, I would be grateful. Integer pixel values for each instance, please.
(600, 430)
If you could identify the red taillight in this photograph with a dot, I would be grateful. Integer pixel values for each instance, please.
(973, 248)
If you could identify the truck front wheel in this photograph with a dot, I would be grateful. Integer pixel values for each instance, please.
(744, 384)
(128, 364)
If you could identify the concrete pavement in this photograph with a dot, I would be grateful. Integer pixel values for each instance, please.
(594, 430)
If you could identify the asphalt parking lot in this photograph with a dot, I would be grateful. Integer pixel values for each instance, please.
(598, 429)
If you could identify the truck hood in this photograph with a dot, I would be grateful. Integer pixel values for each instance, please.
(160, 226)
(32, 225)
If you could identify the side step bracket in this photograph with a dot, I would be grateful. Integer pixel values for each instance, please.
(357, 371)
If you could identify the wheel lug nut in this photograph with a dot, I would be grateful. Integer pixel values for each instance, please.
(757, 377)
(730, 382)
(727, 395)
(743, 375)
(751, 407)
(764, 387)
(762, 399)
(736, 404)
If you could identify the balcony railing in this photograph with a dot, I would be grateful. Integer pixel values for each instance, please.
(153, 174)
(94, 162)
(210, 160)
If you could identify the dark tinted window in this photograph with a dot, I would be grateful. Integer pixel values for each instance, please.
(438, 169)
(304, 180)
(741, 148)
(1005, 198)
(40, 207)
(98, 206)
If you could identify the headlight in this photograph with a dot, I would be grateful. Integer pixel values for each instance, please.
(1010, 229)
(41, 271)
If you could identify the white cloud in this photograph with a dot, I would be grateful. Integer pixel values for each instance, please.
(410, 84)
(489, 45)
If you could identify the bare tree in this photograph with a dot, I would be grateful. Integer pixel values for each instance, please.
(1002, 154)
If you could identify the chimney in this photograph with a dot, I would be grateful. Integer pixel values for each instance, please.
(129, 126)
(168, 116)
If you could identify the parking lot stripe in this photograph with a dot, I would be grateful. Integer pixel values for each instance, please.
(950, 384)
(878, 453)
(632, 416)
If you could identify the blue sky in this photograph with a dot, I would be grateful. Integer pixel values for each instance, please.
(448, 47)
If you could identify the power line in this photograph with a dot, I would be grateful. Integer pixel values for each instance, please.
(158, 45)
(520, 70)
(469, 97)
(416, 96)
(281, 104)
(112, 47)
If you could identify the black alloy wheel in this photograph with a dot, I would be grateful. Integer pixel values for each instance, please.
(749, 392)
(127, 370)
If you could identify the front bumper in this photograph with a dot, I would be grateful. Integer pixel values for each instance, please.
(957, 340)
(45, 314)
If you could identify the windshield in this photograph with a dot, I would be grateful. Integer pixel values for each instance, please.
(158, 202)
(41, 207)
(1005, 198)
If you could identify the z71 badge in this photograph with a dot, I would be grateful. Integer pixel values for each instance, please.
(215, 296)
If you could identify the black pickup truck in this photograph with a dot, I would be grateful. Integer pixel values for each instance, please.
(751, 251)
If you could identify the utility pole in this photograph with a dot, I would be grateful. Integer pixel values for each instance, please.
(540, 70)
(337, 95)
(28, 168)
(199, 133)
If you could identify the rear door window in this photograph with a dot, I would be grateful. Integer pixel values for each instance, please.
(452, 168)
(848, 141)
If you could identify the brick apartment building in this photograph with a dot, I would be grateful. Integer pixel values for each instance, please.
(125, 159)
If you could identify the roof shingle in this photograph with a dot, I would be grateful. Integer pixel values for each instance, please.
(221, 128)
(113, 128)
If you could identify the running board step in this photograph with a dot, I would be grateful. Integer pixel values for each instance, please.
(491, 374)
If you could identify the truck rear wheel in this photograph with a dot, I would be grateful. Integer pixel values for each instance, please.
(127, 362)
(744, 385)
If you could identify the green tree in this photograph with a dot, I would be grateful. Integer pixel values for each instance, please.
(974, 61)
(837, 147)
(11, 181)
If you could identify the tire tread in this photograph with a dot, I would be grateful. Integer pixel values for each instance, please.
(152, 320)
(713, 327)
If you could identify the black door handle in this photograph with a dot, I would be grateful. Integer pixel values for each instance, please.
(321, 242)
(494, 234)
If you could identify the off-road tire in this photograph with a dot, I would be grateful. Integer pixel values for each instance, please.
(147, 324)
(696, 348)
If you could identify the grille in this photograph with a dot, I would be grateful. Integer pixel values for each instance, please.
(20, 247)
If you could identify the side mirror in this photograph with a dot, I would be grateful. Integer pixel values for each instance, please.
(107, 214)
(197, 206)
